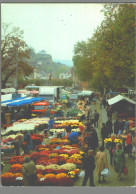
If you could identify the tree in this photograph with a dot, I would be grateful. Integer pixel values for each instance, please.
(107, 59)
(13, 45)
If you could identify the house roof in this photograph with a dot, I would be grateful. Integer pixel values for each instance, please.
(118, 98)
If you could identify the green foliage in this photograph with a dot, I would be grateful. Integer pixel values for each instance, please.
(13, 51)
(108, 58)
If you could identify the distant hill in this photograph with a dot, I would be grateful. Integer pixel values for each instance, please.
(45, 63)
(69, 63)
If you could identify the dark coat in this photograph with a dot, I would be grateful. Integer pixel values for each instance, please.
(109, 127)
(88, 164)
(104, 132)
(116, 127)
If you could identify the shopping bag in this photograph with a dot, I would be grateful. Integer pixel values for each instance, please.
(134, 149)
(82, 174)
(105, 172)
(125, 170)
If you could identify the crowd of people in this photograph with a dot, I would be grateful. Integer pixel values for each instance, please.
(94, 148)
(118, 129)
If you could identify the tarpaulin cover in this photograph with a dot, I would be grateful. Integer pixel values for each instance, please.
(6, 101)
(25, 101)
(119, 98)
(20, 101)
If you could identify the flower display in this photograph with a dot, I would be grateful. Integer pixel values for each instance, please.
(47, 171)
(64, 155)
(39, 176)
(61, 175)
(53, 166)
(53, 155)
(17, 160)
(50, 176)
(76, 156)
(48, 182)
(36, 139)
(16, 168)
(39, 171)
(65, 181)
(106, 140)
(61, 171)
(68, 166)
(42, 147)
(61, 160)
(8, 179)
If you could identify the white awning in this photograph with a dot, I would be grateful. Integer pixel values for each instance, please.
(118, 98)
(8, 90)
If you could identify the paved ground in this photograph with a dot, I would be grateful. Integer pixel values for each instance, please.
(111, 181)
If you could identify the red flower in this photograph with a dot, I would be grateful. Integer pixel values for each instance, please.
(61, 171)
(47, 171)
(65, 181)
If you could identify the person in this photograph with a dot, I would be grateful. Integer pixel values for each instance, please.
(129, 145)
(16, 144)
(126, 125)
(68, 128)
(96, 118)
(88, 166)
(101, 162)
(109, 114)
(29, 144)
(47, 113)
(103, 133)
(119, 160)
(116, 126)
(7, 116)
(95, 137)
(29, 172)
(73, 138)
(50, 123)
(109, 127)
(104, 102)
(121, 125)
(111, 147)
(82, 140)
(92, 118)
(90, 141)
(94, 100)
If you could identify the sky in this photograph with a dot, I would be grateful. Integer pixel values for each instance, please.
(54, 27)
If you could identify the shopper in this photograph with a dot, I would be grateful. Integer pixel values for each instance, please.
(109, 127)
(73, 138)
(116, 126)
(101, 162)
(103, 133)
(88, 166)
(29, 172)
(119, 160)
(111, 145)
(129, 145)
(29, 143)
(96, 118)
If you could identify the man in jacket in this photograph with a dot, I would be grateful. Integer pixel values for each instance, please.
(96, 118)
(103, 133)
(116, 127)
(29, 172)
(89, 166)
(109, 127)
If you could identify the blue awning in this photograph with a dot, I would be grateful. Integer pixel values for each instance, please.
(13, 100)
(25, 101)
